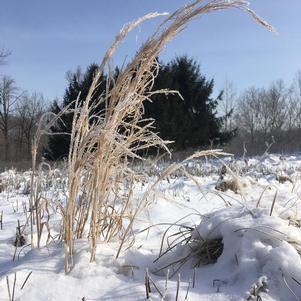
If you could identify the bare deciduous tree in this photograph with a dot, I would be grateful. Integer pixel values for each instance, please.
(247, 115)
(294, 104)
(275, 104)
(29, 110)
(263, 111)
(9, 96)
(228, 105)
(270, 114)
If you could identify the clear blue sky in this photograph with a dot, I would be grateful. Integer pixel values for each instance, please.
(48, 38)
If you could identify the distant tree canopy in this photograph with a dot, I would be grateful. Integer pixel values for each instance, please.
(190, 121)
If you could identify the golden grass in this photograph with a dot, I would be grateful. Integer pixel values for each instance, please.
(103, 146)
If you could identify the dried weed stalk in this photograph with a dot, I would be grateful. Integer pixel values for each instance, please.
(47, 121)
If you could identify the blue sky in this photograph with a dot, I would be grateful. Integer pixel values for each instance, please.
(48, 38)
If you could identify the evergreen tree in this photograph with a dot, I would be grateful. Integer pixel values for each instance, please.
(79, 85)
(191, 121)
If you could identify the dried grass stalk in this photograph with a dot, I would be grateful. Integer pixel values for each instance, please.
(46, 122)
(102, 146)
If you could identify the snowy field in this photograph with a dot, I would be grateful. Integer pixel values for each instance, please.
(200, 238)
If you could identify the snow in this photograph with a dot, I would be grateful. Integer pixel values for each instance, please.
(255, 247)
(260, 247)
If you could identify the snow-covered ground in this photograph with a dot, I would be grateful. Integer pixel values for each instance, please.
(253, 238)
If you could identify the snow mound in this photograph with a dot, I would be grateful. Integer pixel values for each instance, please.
(260, 253)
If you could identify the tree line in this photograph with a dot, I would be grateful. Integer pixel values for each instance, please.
(187, 117)
(266, 118)
(250, 123)
(19, 115)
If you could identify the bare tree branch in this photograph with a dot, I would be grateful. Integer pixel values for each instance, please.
(4, 53)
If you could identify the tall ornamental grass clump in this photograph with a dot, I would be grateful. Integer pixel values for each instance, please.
(103, 145)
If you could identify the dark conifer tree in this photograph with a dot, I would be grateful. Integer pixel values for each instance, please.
(79, 85)
(191, 121)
